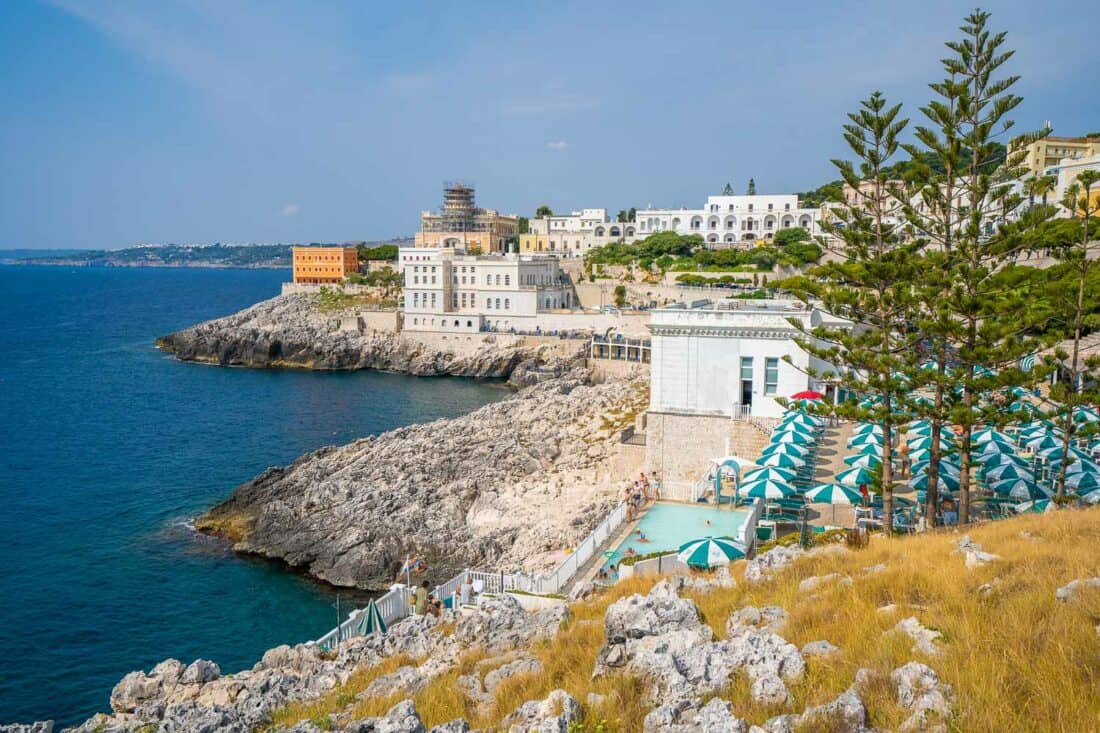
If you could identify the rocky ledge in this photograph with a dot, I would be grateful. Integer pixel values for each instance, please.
(298, 331)
(659, 638)
(507, 486)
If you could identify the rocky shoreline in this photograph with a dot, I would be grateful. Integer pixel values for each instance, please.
(472, 491)
(509, 486)
(659, 638)
(295, 331)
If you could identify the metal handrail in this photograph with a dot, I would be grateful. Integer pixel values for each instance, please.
(395, 605)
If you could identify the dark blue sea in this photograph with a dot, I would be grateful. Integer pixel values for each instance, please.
(109, 447)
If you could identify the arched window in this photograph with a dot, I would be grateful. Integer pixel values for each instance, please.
(599, 231)
(675, 222)
(730, 238)
(614, 231)
(630, 231)
(788, 221)
(749, 237)
(804, 222)
(712, 223)
(696, 222)
(731, 222)
(712, 237)
(769, 222)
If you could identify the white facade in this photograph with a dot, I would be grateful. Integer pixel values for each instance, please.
(731, 221)
(573, 235)
(729, 358)
(446, 290)
(1066, 173)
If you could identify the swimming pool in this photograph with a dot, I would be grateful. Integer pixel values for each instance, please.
(667, 525)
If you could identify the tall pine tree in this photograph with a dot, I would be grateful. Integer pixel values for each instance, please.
(869, 285)
(1079, 389)
(973, 321)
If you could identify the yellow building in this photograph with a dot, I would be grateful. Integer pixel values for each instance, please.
(1050, 151)
(324, 265)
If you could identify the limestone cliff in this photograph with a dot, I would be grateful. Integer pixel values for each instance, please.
(506, 486)
(303, 331)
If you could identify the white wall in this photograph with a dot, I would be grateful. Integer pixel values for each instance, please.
(698, 373)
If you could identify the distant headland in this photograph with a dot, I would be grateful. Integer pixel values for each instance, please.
(259, 256)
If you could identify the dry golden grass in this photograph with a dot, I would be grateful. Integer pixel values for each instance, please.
(339, 699)
(1018, 659)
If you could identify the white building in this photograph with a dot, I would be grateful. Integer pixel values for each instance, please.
(573, 235)
(728, 358)
(1066, 173)
(731, 221)
(447, 290)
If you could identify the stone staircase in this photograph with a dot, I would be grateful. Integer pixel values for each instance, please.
(832, 449)
(747, 439)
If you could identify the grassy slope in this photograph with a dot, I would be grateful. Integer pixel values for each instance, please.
(1018, 660)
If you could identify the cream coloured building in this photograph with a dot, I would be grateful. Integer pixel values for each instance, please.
(1051, 150)
(460, 223)
(732, 221)
(573, 235)
(450, 291)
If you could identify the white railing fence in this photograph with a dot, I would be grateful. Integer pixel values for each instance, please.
(588, 547)
(395, 604)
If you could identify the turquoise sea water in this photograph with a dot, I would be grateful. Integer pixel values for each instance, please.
(108, 447)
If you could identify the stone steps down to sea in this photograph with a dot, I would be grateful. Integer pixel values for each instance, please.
(296, 331)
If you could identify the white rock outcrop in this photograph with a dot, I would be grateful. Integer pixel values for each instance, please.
(924, 638)
(921, 691)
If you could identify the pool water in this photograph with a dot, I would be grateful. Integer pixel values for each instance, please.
(666, 526)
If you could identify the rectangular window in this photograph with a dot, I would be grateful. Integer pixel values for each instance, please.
(746, 367)
(771, 375)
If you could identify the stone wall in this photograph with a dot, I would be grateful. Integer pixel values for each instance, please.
(385, 321)
(602, 293)
(604, 369)
(681, 447)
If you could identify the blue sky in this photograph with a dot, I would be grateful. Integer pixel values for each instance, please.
(254, 120)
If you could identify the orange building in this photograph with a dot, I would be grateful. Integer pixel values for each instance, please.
(324, 265)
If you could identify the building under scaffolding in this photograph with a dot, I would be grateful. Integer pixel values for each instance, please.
(460, 223)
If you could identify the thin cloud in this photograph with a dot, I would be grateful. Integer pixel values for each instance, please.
(557, 145)
(289, 210)
(548, 105)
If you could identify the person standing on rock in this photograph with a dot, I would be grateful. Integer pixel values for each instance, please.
(466, 591)
(421, 606)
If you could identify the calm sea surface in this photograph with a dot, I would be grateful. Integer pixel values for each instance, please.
(107, 449)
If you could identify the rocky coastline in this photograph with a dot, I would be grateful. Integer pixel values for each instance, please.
(509, 486)
(659, 638)
(297, 331)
